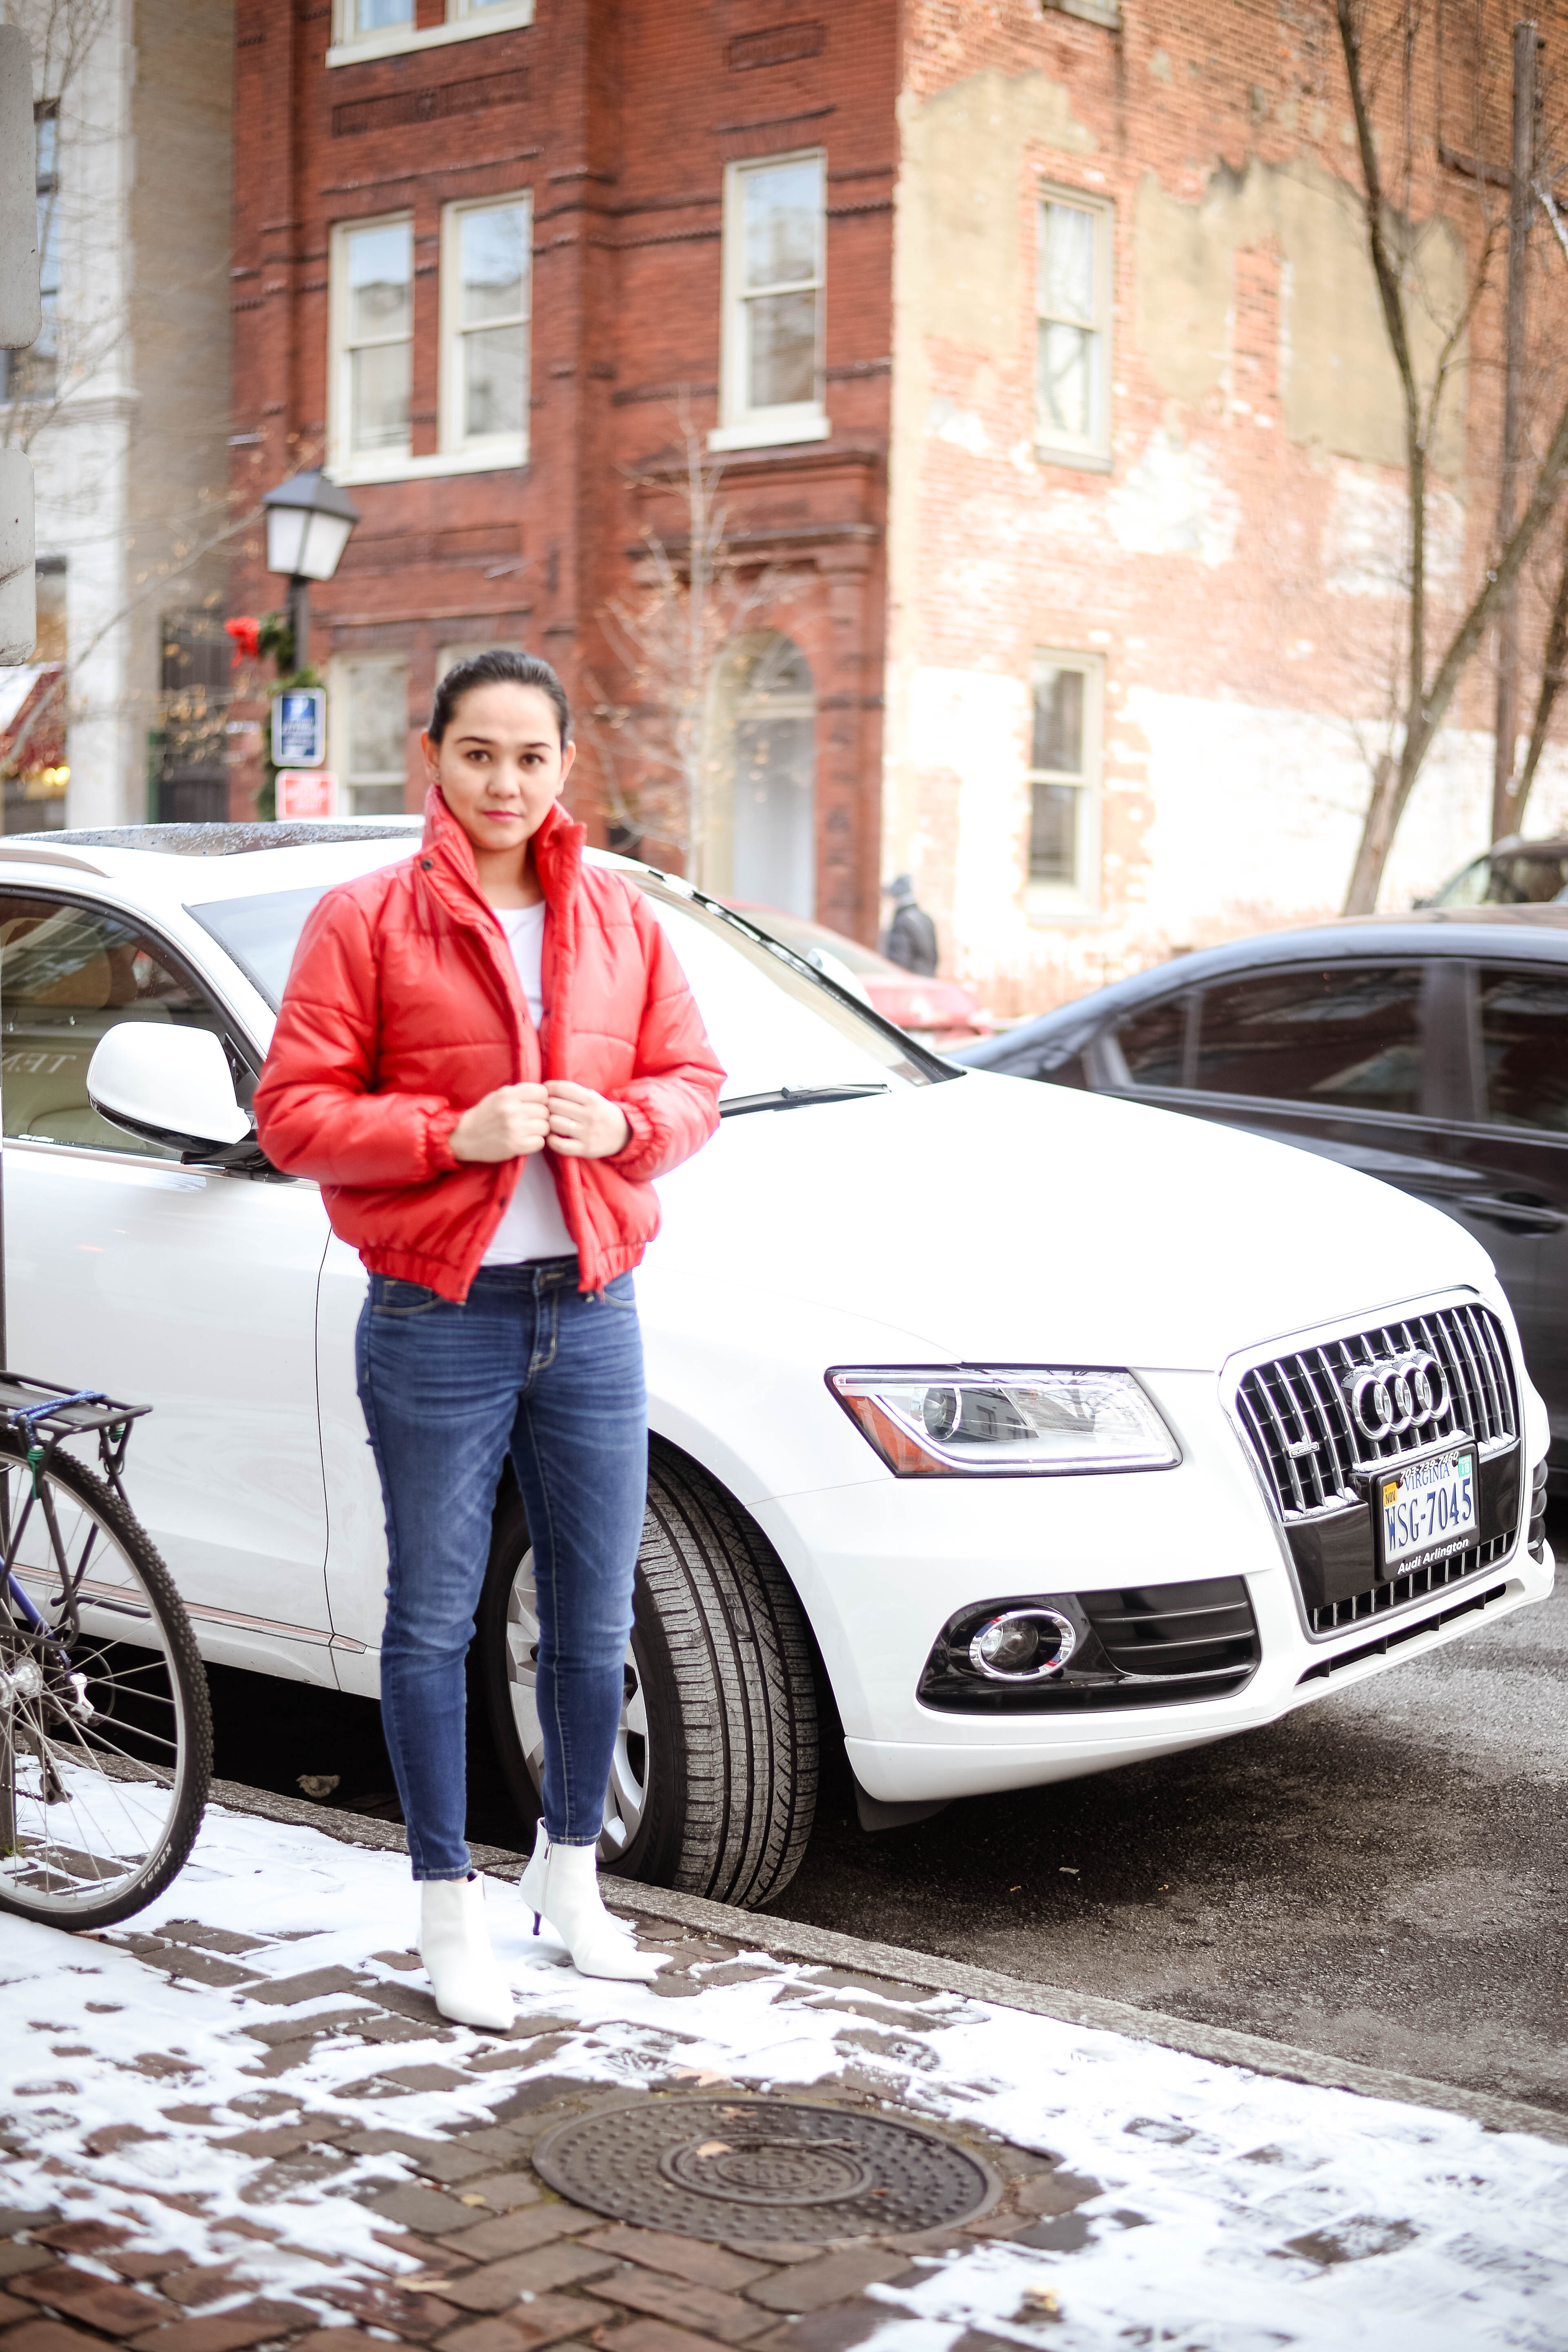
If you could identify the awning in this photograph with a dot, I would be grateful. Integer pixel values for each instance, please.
(32, 718)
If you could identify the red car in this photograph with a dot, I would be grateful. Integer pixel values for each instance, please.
(938, 1011)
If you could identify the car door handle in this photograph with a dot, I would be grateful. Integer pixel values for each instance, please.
(1527, 1213)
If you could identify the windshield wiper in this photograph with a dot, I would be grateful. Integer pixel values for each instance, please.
(794, 1097)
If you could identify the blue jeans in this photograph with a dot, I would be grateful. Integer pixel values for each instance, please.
(530, 1366)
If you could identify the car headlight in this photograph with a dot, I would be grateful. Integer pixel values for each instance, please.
(1019, 1423)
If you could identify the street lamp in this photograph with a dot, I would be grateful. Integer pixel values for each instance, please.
(308, 521)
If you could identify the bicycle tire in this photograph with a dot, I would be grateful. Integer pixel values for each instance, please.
(189, 1776)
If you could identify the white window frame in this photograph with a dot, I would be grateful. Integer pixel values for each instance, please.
(1093, 12)
(492, 449)
(739, 425)
(1054, 901)
(368, 465)
(338, 705)
(1091, 450)
(465, 22)
(15, 386)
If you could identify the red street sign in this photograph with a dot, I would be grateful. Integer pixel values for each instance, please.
(307, 791)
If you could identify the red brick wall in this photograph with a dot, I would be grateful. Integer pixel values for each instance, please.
(995, 551)
(630, 114)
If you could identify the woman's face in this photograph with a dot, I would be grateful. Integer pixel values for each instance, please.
(500, 764)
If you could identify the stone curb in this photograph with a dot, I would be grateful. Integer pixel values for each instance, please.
(759, 1931)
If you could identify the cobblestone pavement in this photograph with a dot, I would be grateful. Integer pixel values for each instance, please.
(238, 2122)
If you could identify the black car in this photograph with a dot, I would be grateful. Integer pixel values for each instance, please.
(1428, 1049)
(1512, 872)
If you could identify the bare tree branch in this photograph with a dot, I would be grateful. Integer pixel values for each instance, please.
(662, 742)
(1554, 670)
(1425, 702)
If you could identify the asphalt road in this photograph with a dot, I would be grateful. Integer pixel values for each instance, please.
(1380, 1877)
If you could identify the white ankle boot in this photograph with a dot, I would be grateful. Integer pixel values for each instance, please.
(531, 1884)
(455, 1946)
(565, 1884)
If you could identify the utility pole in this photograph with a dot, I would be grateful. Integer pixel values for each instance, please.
(21, 323)
(1520, 211)
(21, 320)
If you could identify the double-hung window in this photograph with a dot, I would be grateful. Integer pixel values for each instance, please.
(1064, 784)
(773, 268)
(361, 20)
(486, 278)
(372, 338)
(386, 27)
(1072, 303)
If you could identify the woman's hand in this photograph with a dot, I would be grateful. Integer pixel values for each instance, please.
(505, 1125)
(583, 1125)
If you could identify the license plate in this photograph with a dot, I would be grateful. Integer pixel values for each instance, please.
(1429, 1509)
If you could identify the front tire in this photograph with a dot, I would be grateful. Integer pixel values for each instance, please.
(713, 1783)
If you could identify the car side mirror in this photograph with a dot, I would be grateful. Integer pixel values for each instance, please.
(168, 1085)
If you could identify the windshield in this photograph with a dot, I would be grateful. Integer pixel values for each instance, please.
(772, 1024)
(261, 934)
(1521, 877)
(803, 936)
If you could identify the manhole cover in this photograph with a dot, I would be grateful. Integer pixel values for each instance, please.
(761, 2168)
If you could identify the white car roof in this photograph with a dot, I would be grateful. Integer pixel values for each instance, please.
(192, 865)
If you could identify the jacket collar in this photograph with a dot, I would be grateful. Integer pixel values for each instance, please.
(557, 854)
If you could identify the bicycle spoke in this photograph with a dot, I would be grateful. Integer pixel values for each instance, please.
(93, 1740)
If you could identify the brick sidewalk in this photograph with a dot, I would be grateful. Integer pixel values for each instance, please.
(252, 2129)
(502, 2263)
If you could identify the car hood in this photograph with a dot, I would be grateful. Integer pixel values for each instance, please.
(993, 1220)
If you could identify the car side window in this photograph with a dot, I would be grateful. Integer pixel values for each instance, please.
(1526, 879)
(1147, 1049)
(1337, 1034)
(69, 972)
(1468, 887)
(1524, 1046)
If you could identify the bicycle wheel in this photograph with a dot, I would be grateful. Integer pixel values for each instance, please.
(105, 1727)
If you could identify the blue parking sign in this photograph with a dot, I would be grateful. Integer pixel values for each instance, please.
(299, 727)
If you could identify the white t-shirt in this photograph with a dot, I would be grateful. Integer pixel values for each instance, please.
(532, 1226)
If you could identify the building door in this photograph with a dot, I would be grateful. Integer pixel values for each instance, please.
(195, 684)
(760, 843)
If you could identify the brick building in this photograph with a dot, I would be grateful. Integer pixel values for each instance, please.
(478, 261)
(1038, 345)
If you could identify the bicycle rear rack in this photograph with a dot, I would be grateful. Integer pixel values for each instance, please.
(32, 1407)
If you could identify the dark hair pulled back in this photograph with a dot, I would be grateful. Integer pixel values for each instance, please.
(501, 667)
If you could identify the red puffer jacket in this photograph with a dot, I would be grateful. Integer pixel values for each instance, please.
(403, 1008)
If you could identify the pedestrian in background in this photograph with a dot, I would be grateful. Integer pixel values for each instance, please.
(910, 939)
(483, 1055)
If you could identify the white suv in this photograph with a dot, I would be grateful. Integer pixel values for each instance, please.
(1022, 1431)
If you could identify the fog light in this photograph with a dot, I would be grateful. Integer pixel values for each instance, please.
(1022, 1644)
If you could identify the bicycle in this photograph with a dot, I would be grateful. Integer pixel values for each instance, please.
(105, 1723)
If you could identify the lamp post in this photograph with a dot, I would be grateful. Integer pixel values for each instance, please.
(308, 521)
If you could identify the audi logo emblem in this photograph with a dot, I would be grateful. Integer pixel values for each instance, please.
(1397, 1393)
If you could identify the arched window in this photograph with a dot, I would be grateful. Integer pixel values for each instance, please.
(759, 830)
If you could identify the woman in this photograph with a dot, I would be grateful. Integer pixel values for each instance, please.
(484, 1054)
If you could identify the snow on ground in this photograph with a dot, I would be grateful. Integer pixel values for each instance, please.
(1237, 2211)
